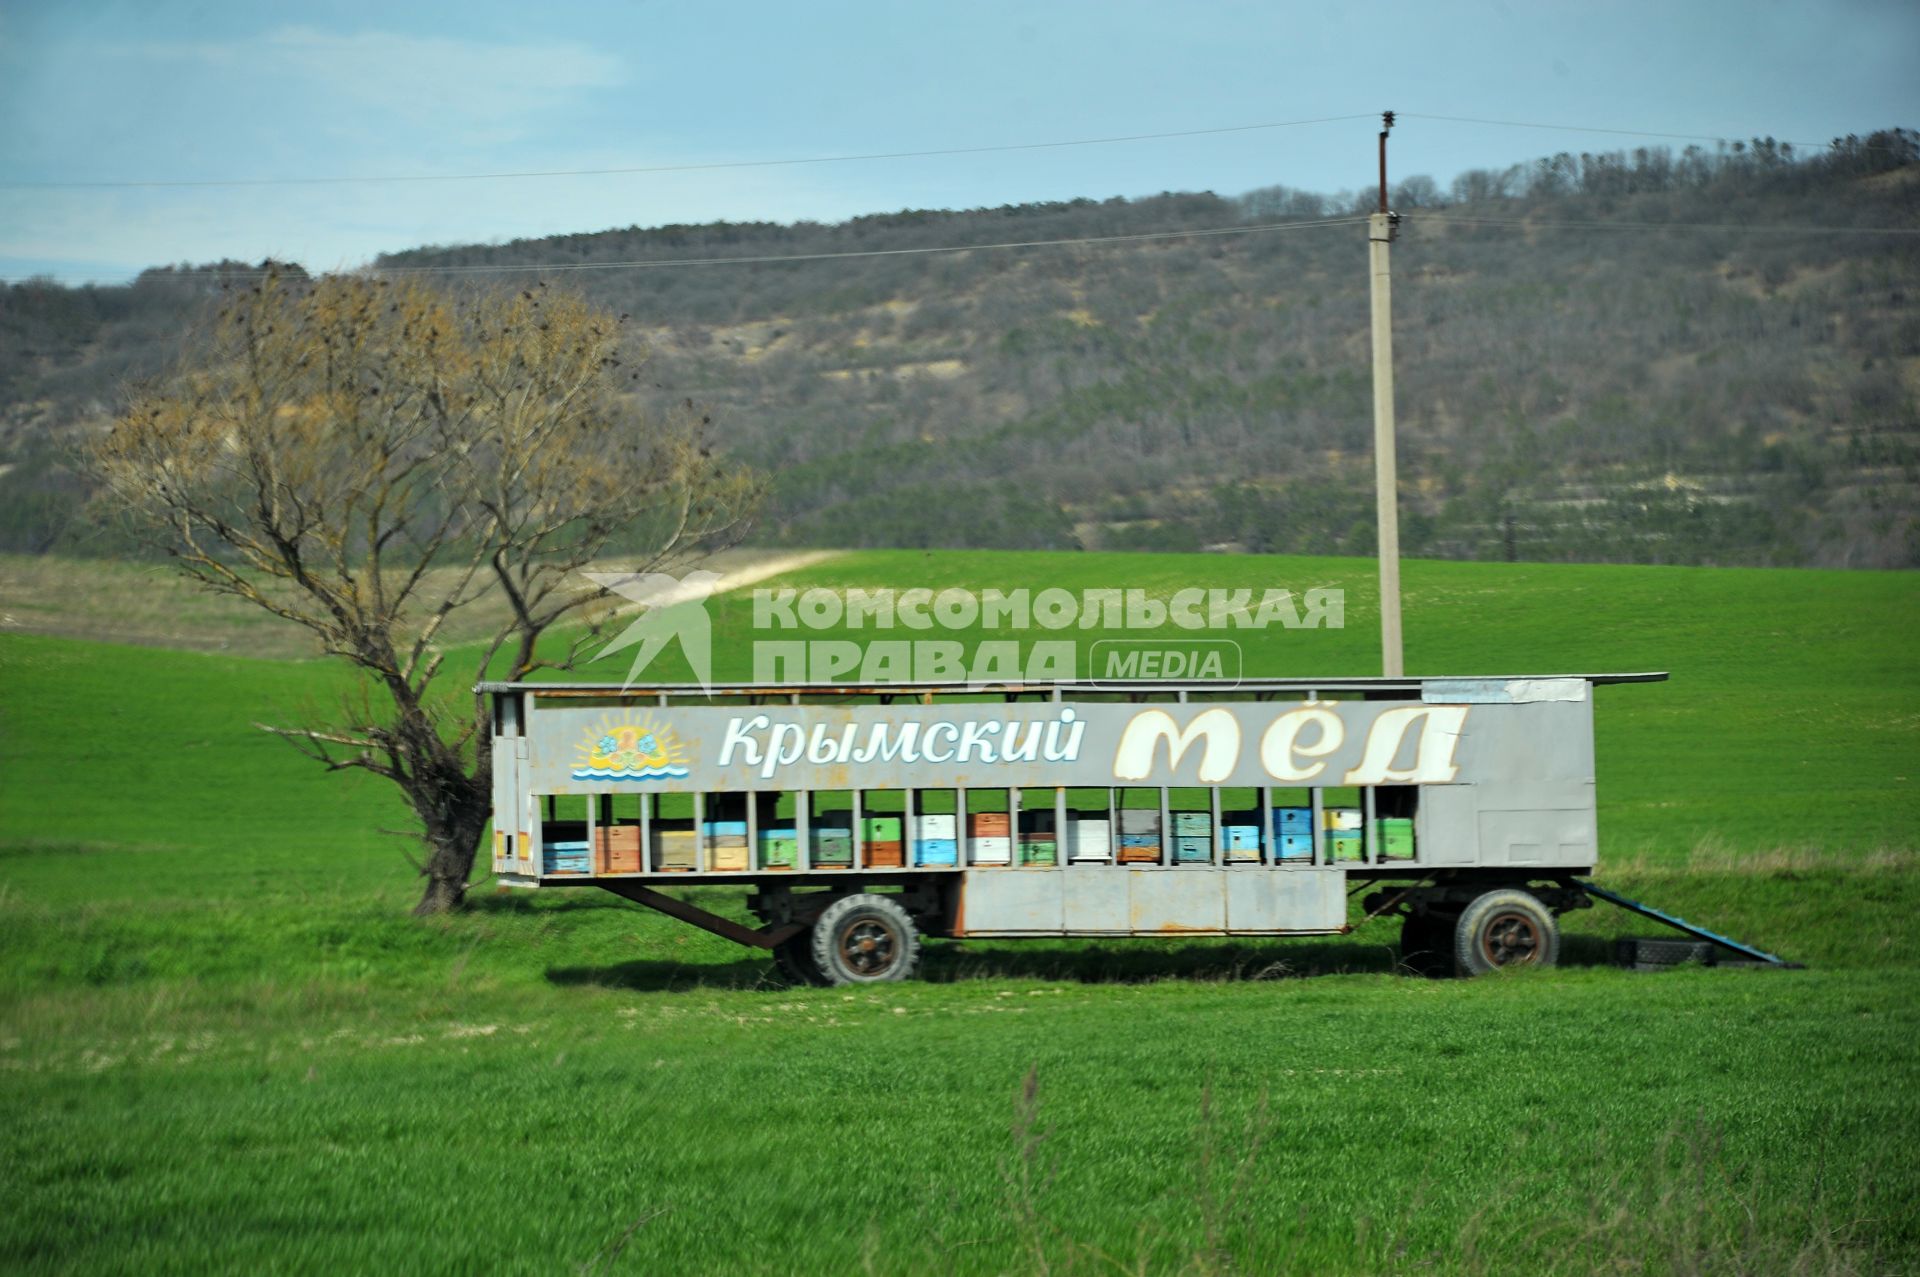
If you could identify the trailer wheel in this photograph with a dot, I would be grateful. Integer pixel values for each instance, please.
(793, 959)
(865, 939)
(1505, 928)
(1426, 944)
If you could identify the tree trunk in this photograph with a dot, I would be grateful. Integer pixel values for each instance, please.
(455, 813)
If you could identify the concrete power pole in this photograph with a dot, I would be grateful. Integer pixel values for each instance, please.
(1380, 228)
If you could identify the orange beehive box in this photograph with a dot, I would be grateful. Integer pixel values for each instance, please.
(989, 824)
(886, 855)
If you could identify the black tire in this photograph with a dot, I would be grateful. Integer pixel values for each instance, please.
(865, 939)
(793, 959)
(1505, 928)
(1426, 944)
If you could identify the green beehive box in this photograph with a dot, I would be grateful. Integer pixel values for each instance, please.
(1344, 844)
(1038, 851)
(779, 853)
(1393, 836)
(880, 829)
(832, 846)
(1193, 824)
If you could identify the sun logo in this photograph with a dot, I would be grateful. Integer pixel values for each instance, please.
(630, 751)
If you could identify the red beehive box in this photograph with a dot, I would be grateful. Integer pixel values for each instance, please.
(619, 848)
(989, 824)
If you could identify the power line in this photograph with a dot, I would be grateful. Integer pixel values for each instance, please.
(1755, 227)
(541, 268)
(1671, 137)
(677, 168)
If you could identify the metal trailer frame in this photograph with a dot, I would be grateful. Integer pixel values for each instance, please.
(1496, 774)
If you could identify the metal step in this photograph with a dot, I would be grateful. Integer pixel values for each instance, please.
(1682, 925)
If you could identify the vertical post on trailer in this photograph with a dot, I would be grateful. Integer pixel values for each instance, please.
(859, 834)
(1013, 826)
(752, 797)
(1216, 852)
(700, 860)
(647, 802)
(1062, 843)
(1369, 854)
(963, 840)
(802, 819)
(1380, 228)
(909, 840)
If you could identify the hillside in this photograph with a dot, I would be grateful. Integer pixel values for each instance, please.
(1629, 358)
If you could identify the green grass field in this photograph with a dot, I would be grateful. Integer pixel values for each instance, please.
(227, 1047)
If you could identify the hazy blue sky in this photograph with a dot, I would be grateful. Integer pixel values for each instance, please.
(229, 89)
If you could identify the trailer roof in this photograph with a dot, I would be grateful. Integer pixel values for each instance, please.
(1409, 683)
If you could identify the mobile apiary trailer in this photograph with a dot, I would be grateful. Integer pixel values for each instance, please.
(865, 819)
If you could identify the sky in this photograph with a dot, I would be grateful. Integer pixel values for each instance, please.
(222, 90)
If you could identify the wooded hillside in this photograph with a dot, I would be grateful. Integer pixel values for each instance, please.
(1640, 357)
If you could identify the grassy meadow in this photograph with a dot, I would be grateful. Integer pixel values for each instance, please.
(225, 1046)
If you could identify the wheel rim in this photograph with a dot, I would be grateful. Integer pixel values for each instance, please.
(868, 946)
(1510, 939)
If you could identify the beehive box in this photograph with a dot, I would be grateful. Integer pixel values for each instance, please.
(676, 849)
(1139, 848)
(779, 848)
(1242, 842)
(991, 850)
(725, 828)
(1342, 818)
(989, 824)
(1090, 838)
(1343, 844)
(1292, 820)
(619, 847)
(880, 829)
(1241, 833)
(1296, 846)
(1193, 824)
(1038, 851)
(1189, 850)
(1140, 820)
(832, 848)
(886, 854)
(565, 856)
(1393, 837)
(935, 825)
(936, 851)
(728, 853)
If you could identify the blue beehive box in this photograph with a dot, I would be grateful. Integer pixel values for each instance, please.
(936, 851)
(1242, 837)
(1192, 824)
(1296, 846)
(567, 857)
(1189, 850)
(1292, 820)
(726, 828)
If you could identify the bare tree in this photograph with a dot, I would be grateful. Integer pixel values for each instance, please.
(367, 458)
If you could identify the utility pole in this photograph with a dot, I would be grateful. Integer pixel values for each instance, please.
(1380, 228)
